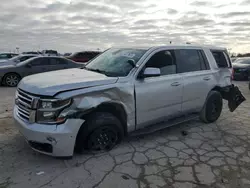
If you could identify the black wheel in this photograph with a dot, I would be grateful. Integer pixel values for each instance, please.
(11, 79)
(101, 131)
(212, 108)
(103, 138)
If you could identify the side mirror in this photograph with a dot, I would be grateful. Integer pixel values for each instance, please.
(132, 62)
(28, 65)
(151, 72)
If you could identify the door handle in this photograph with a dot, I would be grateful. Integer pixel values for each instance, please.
(206, 78)
(175, 84)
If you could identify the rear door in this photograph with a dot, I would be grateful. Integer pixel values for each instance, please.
(61, 63)
(55, 64)
(194, 68)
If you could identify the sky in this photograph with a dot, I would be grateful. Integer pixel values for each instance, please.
(76, 25)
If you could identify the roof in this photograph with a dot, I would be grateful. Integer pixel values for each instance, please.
(173, 46)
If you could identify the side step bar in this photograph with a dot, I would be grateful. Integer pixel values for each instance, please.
(159, 126)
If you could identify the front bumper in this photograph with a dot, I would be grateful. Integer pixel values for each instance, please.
(54, 140)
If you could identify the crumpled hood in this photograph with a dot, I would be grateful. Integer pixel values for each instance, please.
(50, 83)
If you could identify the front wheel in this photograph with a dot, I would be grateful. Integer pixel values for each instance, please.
(212, 107)
(101, 131)
(11, 79)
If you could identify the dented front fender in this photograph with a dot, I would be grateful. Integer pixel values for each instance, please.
(86, 100)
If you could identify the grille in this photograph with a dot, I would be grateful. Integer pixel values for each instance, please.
(25, 104)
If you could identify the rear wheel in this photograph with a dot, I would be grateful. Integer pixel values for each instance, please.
(101, 131)
(11, 79)
(212, 108)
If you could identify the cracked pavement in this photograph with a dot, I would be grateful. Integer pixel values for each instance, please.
(210, 155)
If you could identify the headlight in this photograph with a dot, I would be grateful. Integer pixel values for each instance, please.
(53, 103)
(49, 110)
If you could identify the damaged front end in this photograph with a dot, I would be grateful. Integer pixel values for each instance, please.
(233, 95)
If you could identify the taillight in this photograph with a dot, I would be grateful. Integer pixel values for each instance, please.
(232, 75)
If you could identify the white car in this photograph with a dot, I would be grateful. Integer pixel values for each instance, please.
(123, 91)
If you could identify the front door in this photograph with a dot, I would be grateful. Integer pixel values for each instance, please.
(158, 98)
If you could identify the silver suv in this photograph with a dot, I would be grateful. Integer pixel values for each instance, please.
(121, 91)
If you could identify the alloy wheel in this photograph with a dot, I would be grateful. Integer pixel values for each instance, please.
(12, 80)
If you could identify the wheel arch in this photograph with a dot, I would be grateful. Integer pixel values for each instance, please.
(222, 91)
(115, 108)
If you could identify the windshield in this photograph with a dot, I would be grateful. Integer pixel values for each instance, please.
(116, 62)
(243, 61)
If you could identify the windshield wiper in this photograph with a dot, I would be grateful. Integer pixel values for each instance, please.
(95, 70)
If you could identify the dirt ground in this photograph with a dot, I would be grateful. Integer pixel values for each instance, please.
(210, 155)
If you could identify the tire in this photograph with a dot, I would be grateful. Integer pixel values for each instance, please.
(11, 79)
(212, 107)
(103, 126)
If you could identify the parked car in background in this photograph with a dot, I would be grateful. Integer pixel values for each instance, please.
(32, 52)
(233, 59)
(241, 69)
(5, 56)
(121, 92)
(83, 57)
(67, 54)
(11, 74)
(50, 52)
(17, 59)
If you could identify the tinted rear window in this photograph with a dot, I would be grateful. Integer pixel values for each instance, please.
(221, 58)
(189, 60)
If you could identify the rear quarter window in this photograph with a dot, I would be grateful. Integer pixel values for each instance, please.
(221, 58)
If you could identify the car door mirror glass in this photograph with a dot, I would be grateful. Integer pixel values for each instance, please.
(151, 72)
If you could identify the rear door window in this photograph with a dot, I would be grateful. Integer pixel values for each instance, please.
(54, 61)
(189, 60)
(40, 62)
